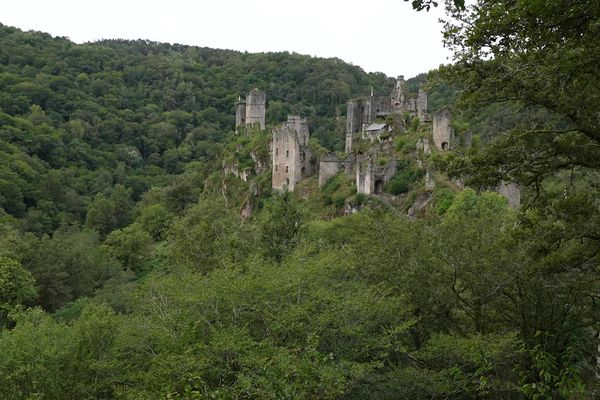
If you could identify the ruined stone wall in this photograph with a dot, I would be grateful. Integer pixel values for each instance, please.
(422, 105)
(240, 114)
(400, 101)
(376, 106)
(354, 121)
(398, 95)
(330, 165)
(364, 177)
(291, 155)
(354, 115)
(390, 170)
(442, 130)
(286, 159)
(348, 146)
(328, 168)
(300, 125)
(234, 170)
(255, 108)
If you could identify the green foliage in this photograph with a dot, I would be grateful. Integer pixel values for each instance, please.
(400, 142)
(17, 287)
(337, 190)
(360, 199)
(155, 219)
(476, 366)
(209, 237)
(403, 180)
(548, 380)
(443, 200)
(130, 245)
(280, 226)
(68, 265)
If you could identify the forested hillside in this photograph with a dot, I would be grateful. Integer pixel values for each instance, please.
(126, 271)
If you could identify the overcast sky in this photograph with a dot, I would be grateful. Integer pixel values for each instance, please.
(378, 35)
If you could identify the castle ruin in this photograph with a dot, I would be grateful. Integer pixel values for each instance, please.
(362, 113)
(293, 161)
(252, 110)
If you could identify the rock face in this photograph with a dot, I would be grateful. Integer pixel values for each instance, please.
(420, 203)
(512, 192)
(291, 154)
(234, 170)
(246, 210)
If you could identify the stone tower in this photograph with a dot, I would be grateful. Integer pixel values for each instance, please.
(252, 110)
(291, 155)
(255, 108)
(398, 96)
(442, 129)
(354, 121)
(422, 105)
(240, 113)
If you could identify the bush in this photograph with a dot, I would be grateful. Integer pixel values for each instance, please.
(403, 180)
(400, 143)
(443, 200)
(360, 199)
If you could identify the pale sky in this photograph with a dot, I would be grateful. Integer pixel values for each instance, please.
(378, 35)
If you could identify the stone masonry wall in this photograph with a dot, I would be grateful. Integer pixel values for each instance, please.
(442, 130)
(364, 177)
(327, 170)
(422, 105)
(255, 108)
(286, 161)
(240, 114)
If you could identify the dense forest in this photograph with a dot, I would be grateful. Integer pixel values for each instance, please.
(126, 271)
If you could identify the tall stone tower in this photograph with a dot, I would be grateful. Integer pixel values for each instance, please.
(442, 130)
(300, 125)
(291, 154)
(255, 108)
(422, 105)
(240, 113)
(398, 95)
(251, 110)
(354, 121)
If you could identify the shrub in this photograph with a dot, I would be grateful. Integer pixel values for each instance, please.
(403, 180)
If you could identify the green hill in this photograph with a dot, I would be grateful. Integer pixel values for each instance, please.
(127, 271)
